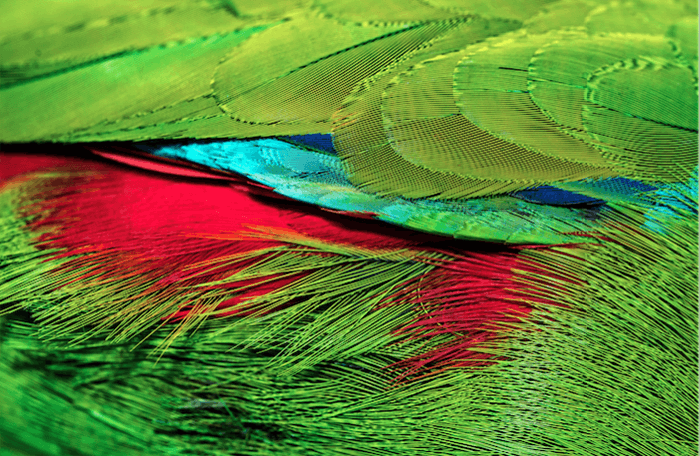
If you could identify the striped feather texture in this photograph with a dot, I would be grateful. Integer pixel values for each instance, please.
(331, 227)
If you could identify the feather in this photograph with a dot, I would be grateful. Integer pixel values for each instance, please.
(426, 227)
(436, 114)
(297, 332)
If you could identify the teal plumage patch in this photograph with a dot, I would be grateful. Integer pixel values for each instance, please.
(349, 227)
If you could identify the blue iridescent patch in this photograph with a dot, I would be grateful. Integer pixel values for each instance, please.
(576, 193)
(554, 196)
(316, 141)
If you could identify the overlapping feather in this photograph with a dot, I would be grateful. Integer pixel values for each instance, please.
(245, 295)
(490, 112)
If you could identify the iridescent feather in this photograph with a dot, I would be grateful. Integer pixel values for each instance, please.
(334, 227)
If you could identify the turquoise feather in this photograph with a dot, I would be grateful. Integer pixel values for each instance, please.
(316, 176)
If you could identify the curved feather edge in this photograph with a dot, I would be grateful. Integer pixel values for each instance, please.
(318, 178)
(619, 338)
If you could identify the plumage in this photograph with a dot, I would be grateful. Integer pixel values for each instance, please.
(426, 227)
